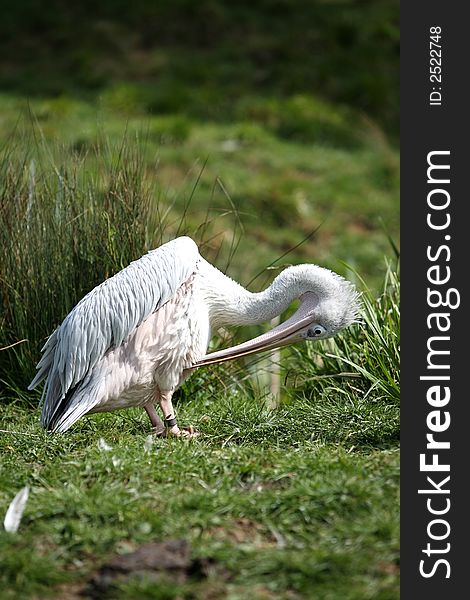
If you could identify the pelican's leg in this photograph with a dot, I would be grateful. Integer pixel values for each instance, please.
(169, 414)
(157, 423)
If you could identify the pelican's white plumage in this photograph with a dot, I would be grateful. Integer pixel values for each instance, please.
(133, 339)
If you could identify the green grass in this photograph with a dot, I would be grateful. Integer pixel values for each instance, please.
(279, 511)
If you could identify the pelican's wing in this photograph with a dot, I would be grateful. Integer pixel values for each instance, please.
(105, 317)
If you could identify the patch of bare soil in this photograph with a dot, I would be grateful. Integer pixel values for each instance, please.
(171, 559)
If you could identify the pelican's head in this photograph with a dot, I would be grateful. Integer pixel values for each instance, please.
(329, 300)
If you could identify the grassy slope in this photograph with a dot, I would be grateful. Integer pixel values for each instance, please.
(300, 501)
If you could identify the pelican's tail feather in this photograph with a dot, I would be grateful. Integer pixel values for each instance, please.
(78, 401)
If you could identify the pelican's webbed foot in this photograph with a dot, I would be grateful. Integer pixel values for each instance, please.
(173, 430)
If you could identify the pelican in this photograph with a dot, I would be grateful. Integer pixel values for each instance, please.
(137, 336)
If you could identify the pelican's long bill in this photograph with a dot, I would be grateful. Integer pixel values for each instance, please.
(291, 331)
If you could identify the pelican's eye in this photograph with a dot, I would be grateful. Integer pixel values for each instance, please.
(316, 331)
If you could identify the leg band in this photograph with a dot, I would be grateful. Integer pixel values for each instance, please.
(169, 422)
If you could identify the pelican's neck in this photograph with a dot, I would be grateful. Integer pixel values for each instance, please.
(231, 304)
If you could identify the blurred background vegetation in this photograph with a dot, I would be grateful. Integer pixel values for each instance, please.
(289, 108)
(205, 58)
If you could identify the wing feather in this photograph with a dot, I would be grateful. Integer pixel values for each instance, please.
(105, 317)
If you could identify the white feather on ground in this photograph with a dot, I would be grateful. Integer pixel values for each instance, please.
(15, 510)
